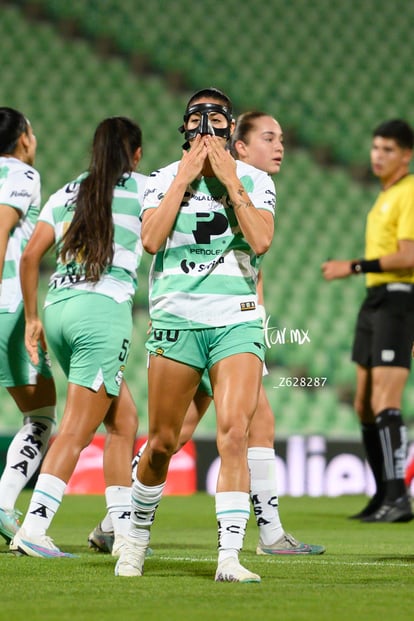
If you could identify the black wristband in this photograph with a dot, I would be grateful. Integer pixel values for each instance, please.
(364, 266)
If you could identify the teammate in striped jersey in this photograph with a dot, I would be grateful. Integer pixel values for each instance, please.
(31, 386)
(94, 222)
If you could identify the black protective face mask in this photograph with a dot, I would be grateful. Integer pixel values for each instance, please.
(205, 127)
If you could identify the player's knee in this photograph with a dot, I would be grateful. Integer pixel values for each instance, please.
(161, 448)
(232, 438)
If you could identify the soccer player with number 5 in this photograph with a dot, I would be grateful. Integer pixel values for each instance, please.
(94, 222)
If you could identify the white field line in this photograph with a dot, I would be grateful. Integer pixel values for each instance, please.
(319, 561)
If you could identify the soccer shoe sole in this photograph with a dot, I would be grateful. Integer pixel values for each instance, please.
(392, 517)
(230, 578)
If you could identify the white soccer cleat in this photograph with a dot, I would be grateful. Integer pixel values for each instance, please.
(40, 546)
(131, 560)
(230, 570)
(108, 543)
(119, 544)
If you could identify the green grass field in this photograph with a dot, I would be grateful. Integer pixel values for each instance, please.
(365, 574)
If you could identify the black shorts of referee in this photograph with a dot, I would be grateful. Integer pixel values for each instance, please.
(384, 332)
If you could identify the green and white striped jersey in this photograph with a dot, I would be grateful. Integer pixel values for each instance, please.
(19, 188)
(119, 280)
(205, 275)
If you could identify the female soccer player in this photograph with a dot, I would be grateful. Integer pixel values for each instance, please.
(208, 220)
(257, 140)
(94, 221)
(31, 386)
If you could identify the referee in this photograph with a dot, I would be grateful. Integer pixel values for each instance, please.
(385, 325)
